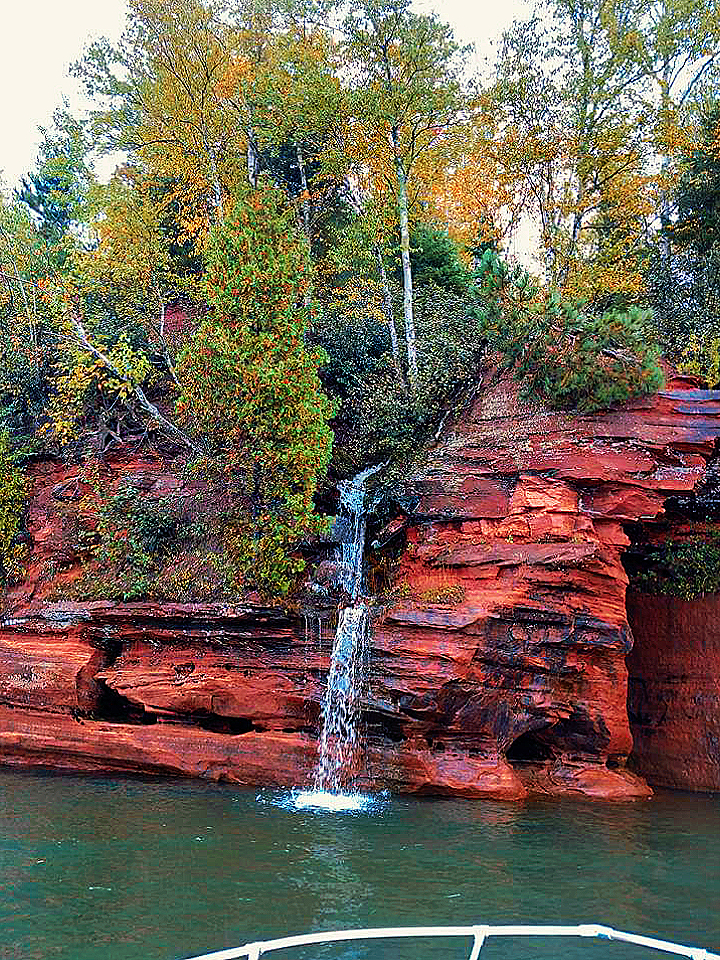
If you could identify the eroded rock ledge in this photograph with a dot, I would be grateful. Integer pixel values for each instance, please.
(501, 671)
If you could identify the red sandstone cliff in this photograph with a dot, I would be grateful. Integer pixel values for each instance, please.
(500, 671)
(674, 690)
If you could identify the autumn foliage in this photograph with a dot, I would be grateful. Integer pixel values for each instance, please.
(316, 229)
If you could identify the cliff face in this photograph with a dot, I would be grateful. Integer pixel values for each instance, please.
(498, 669)
(521, 512)
(674, 691)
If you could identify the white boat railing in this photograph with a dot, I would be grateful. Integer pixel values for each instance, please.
(478, 934)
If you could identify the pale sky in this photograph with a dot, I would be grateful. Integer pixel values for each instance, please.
(39, 39)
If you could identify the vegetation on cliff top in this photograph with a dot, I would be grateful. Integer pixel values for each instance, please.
(309, 230)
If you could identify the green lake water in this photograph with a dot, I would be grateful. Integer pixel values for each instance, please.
(143, 869)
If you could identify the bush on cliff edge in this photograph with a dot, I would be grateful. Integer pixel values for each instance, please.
(682, 568)
(13, 498)
(570, 357)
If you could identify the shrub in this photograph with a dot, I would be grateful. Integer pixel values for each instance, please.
(197, 574)
(23, 388)
(380, 418)
(13, 498)
(353, 333)
(683, 271)
(701, 358)
(574, 360)
(435, 260)
(128, 538)
(684, 292)
(682, 568)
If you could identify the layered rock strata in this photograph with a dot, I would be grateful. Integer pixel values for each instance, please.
(520, 512)
(674, 691)
(497, 664)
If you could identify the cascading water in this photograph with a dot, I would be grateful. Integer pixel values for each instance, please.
(352, 547)
(339, 740)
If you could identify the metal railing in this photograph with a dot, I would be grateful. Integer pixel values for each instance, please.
(478, 934)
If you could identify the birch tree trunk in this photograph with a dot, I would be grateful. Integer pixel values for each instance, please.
(406, 266)
(161, 332)
(170, 428)
(389, 312)
(665, 205)
(217, 189)
(30, 314)
(253, 162)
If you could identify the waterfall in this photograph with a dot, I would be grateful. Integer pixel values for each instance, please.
(352, 547)
(339, 740)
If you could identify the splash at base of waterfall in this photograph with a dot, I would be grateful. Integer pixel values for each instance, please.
(336, 802)
(321, 801)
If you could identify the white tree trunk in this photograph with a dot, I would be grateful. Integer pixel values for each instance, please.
(389, 312)
(253, 161)
(161, 332)
(406, 267)
(170, 428)
(305, 191)
(30, 314)
(217, 189)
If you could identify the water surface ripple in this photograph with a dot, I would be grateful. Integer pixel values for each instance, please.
(139, 869)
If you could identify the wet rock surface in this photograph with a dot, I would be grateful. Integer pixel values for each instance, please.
(497, 665)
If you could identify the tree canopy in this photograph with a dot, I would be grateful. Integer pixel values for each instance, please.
(311, 232)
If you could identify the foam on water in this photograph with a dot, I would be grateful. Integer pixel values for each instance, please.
(336, 802)
(323, 800)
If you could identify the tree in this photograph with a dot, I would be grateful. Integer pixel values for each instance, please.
(477, 194)
(164, 104)
(197, 92)
(301, 112)
(435, 259)
(697, 226)
(251, 394)
(683, 272)
(574, 359)
(132, 258)
(409, 101)
(57, 192)
(22, 263)
(69, 324)
(679, 49)
(599, 97)
(571, 91)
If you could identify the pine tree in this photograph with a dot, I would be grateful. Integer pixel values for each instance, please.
(57, 191)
